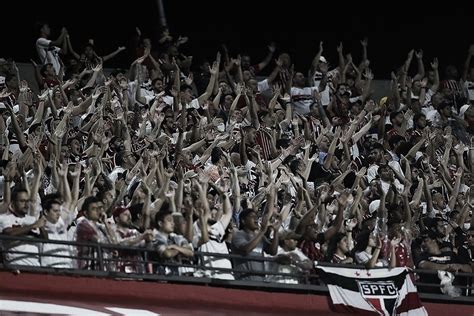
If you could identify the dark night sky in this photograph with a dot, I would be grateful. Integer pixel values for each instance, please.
(249, 26)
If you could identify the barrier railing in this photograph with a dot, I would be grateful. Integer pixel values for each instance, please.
(141, 263)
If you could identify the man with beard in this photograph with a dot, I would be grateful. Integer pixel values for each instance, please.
(18, 222)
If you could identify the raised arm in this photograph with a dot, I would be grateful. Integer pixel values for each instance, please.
(264, 63)
(364, 43)
(214, 70)
(467, 62)
(59, 41)
(434, 66)
(421, 67)
(457, 187)
(70, 49)
(113, 54)
(315, 63)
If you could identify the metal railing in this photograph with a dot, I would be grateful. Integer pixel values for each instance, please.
(141, 263)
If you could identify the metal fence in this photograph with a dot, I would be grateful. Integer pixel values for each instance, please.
(140, 263)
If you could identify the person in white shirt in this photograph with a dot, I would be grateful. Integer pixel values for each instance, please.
(301, 96)
(210, 233)
(58, 218)
(48, 50)
(290, 259)
(18, 222)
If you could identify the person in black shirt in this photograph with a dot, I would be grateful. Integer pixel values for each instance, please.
(432, 258)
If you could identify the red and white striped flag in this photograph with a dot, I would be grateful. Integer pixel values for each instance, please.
(383, 292)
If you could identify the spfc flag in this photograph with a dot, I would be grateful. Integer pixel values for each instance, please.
(383, 292)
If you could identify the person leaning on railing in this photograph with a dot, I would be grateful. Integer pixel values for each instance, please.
(170, 247)
(17, 221)
(445, 262)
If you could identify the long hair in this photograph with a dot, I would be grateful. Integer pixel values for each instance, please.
(332, 246)
(362, 241)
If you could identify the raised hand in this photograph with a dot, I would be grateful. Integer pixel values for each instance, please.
(214, 69)
(98, 67)
(434, 63)
(395, 241)
(77, 170)
(459, 150)
(351, 223)
(393, 76)
(419, 54)
(272, 47)
(458, 172)
(181, 40)
(5, 94)
(369, 74)
(361, 172)
(10, 170)
(189, 79)
(471, 50)
(364, 42)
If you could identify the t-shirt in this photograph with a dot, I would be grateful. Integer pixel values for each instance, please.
(446, 257)
(302, 98)
(362, 257)
(58, 231)
(215, 244)
(92, 232)
(312, 249)
(48, 54)
(160, 243)
(239, 240)
(286, 268)
(8, 220)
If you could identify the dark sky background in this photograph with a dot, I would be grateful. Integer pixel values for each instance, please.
(296, 27)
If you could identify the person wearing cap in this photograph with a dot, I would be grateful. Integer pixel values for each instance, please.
(290, 259)
(321, 77)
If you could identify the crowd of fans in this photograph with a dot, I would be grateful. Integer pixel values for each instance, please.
(175, 157)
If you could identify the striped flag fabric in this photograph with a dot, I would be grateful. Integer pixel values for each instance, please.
(384, 292)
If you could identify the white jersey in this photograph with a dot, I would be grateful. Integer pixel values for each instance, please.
(30, 257)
